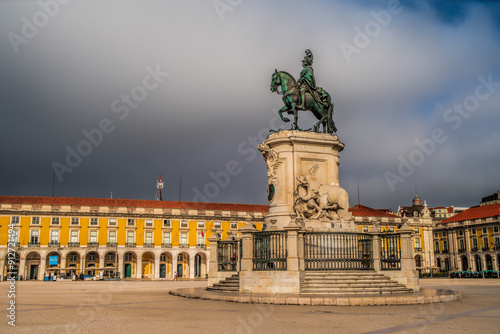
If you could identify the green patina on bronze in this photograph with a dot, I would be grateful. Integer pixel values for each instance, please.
(304, 95)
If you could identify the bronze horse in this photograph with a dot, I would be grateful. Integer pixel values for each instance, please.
(322, 110)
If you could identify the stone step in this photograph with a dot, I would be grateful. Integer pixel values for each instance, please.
(230, 284)
(342, 285)
(354, 292)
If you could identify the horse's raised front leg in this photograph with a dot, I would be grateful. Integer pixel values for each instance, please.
(281, 111)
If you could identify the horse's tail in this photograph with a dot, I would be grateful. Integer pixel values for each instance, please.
(331, 124)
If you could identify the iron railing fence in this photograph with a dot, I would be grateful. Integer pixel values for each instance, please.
(227, 255)
(269, 250)
(338, 251)
(391, 251)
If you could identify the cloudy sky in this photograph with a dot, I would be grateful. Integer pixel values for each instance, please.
(182, 87)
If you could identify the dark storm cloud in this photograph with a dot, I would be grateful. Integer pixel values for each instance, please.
(215, 106)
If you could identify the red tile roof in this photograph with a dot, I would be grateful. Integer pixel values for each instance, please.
(475, 212)
(364, 211)
(131, 203)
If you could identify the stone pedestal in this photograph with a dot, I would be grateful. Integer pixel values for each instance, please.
(290, 155)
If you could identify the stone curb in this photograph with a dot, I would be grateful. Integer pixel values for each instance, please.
(424, 296)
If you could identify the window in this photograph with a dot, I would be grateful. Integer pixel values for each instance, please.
(75, 221)
(473, 231)
(34, 234)
(461, 232)
(217, 225)
(485, 230)
(163, 257)
(35, 220)
(130, 237)
(444, 234)
(14, 236)
(200, 238)
(495, 229)
(166, 237)
(486, 243)
(417, 243)
(435, 235)
(128, 257)
(445, 245)
(149, 223)
(91, 257)
(73, 236)
(184, 238)
(54, 236)
(497, 242)
(55, 221)
(201, 224)
(166, 222)
(112, 222)
(436, 246)
(234, 225)
(110, 257)
(474, 243)
(184, 223)
(93, 221)
(14, 220)
(131, 222)
(148, 237)
(93, 236)
(365, 228)
(112, 237)
(73, 257)
(462, 245)
(391, 229)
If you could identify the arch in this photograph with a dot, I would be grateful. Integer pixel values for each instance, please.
(53, 264)
(200, 265)
(148, 265)
(33, 262)
(447, 264)
(418, 261)
(465, 263)
(129, 264)
(165, 265)
(489, 262)
(110, 264)
(73, 264)
(479, 264)
(438, 263)
(91, 263)
(182, 268)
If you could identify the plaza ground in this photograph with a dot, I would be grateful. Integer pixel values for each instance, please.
(146, 307)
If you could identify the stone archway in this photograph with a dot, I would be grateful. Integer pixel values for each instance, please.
(11, 268)
(110, 264)
(73, 261)
(418, 262)
(165, 265)
(489, 262)
(91, 263)
(479, 264)
(33, 262)
(465, 264)
(200, 265)
(53, 264)
(129, 264)
(182, 265)
(148, 265)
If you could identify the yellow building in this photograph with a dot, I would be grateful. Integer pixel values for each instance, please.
(470, 240)
(42, 236)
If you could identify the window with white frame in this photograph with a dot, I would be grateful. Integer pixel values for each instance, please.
(473, 231)
(200, 238)
(486, 242)
(75, 221)
(445, 245)
(148, 237)
(365, 228)
(93, 222)
(166, 237)
(184, 238)
(234, 226)
(131, 222)
(485, 230)
(166, 223)
(417, 243)
(14, 235)
(436, 246)
(391, 229)
(460, 232)
(112, 237)
(461, 243)
(34, 236)
(148, 223)
(112, 222)
(55, 221)
(474, 243)
(130, 237)
(35, 220)
(217, 224)
(73, 236)
(497, 242)
(201, 224)
(495, 229)
(14, 220)
(93, 236)
(54, 236)
(184, 223)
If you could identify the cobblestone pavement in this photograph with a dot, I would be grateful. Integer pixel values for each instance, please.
(146, 307)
